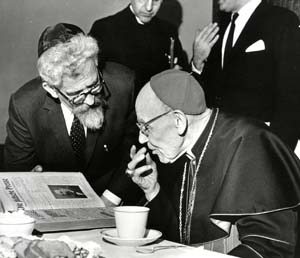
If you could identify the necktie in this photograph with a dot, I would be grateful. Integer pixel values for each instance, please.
(229, 42)
(78, 141)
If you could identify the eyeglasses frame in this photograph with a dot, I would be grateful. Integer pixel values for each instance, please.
(144, 126)
(100, 81)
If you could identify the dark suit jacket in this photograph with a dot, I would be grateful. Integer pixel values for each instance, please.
(142, 48)
(262, 84)
(37, 134)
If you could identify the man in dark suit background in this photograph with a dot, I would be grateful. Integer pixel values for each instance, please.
(74, 117)
(137, 38)
(253, 68)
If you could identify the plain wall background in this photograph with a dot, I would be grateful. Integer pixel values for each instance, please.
(22, 21)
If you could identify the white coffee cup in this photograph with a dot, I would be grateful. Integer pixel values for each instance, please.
(131, 221)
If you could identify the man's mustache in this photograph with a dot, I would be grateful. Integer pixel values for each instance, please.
(98, 102)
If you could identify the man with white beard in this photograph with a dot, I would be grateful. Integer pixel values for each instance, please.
(74, 117)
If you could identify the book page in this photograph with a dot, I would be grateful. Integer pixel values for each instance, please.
(47, 190)
(72, 219)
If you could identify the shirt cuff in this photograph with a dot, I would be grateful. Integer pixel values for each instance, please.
(195, 70)
(153, 194)
(112, 197)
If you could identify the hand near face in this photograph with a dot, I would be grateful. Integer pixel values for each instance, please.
(140, 173)
(204, 40)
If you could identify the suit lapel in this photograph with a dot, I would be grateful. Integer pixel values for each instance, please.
(55, 117)
(92, 138)
(250, 33)
(56, 121)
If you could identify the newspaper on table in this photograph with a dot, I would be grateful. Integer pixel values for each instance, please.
(58, 201)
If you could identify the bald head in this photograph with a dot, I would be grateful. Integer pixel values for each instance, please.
(169, 111)
(163, 137)
(173, 89)
(148, 104)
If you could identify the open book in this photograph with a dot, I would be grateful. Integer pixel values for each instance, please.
(58, 201)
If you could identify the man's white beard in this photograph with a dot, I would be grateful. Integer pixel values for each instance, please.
(92, 118)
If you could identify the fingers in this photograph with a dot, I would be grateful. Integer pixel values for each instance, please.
(212, 34)
(213, 42)
(208, 33)
(211, 28)
(132, 151)
(145, 176)
(139, 172)
(203, 43)
(147, 169)
(136, 157)
(148, 159)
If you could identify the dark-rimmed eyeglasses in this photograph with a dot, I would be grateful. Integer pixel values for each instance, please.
(144, 127)
(99, 87)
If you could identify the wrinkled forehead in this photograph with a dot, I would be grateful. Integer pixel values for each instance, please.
(81, 78)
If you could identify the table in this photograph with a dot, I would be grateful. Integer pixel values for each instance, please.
(114, 251)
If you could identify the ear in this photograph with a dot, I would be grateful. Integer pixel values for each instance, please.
(50, 90)
(181, 122)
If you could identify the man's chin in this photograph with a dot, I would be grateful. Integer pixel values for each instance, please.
(162, 158)
(145, 19)
(222, 6)
(92, 119)
(94, 126)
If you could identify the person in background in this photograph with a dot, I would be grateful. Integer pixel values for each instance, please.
(137, 38)
(73, 116)
(250, 65)
(219, 171)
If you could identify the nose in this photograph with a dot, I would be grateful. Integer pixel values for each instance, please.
(142, 138)
(89, 100)
(149, 5)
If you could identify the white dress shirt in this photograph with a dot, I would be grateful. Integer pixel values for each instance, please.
(69, 116)
(244, 15)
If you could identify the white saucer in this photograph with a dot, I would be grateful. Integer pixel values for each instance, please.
(111, 235)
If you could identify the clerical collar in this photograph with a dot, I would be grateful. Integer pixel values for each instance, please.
(137, 18)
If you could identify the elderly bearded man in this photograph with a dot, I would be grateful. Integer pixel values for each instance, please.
(74, 117)
(224, 171)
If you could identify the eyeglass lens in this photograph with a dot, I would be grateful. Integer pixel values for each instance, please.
(94, 91)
